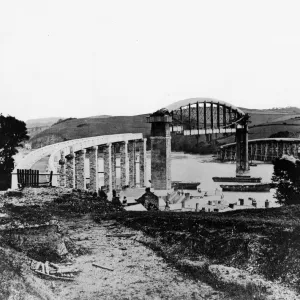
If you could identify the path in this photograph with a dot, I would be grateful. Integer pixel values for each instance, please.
(138, 273)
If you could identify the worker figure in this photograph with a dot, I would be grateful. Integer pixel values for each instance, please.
(222, 196)
(124, 201)
(102, 194)
(267, 203)
(254, 202)
(167, 207)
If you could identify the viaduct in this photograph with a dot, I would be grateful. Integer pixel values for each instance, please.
(196, 116)
(69, 160)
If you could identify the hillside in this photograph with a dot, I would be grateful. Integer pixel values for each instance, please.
(263, 124)
(85, 127)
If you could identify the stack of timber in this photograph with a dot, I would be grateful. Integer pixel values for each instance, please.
(237, 179)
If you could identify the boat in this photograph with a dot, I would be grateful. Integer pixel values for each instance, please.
(185, 185)
(261, 187)
(252, 165)
(237, 179)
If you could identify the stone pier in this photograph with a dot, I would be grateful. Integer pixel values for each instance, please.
(160, 151)
(62, 169)
(70, 169)
(93, 163)
(141, 144)
(124, 164)
(242, 160)
(114, 166)
(107, 168)
(79, 169)
(132, 171)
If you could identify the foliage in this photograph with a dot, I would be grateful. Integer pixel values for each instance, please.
(63, 120)
(286, 178)
(281, 134)
(12, 133)
(191, 144)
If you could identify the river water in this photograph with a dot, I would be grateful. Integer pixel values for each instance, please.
(192, 167)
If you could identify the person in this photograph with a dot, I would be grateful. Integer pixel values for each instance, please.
(267, 203)
(167, 205)
(102, 194)
(222, 196)
(124, 201)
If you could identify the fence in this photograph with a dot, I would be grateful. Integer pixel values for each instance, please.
(28, 177)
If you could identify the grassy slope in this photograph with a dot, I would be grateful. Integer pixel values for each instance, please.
(80, 128)
(267, 241)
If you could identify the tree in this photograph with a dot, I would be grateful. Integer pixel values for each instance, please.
(12, 133)
(286, 178)
(281, 134)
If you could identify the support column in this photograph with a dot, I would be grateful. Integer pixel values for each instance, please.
(93, 162)
(143, 162)
(79, 170)
(62, 170)
(114, 166)
(107, 168)
(70, 169)
(124, 163)
(132, 171)
(242, 160)
(160, 150)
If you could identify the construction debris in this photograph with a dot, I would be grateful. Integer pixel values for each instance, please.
(53, 271)
(121, 235)
(102, 267)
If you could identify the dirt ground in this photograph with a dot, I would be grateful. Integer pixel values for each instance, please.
(134, 270)
(138, 273)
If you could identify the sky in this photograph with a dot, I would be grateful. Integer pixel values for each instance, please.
(70, 58)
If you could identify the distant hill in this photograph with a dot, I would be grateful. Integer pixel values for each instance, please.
(41, 122)
(264, 122)
(275, 110)
(101, 116)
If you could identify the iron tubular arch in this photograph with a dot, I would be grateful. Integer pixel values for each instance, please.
(204, 116)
